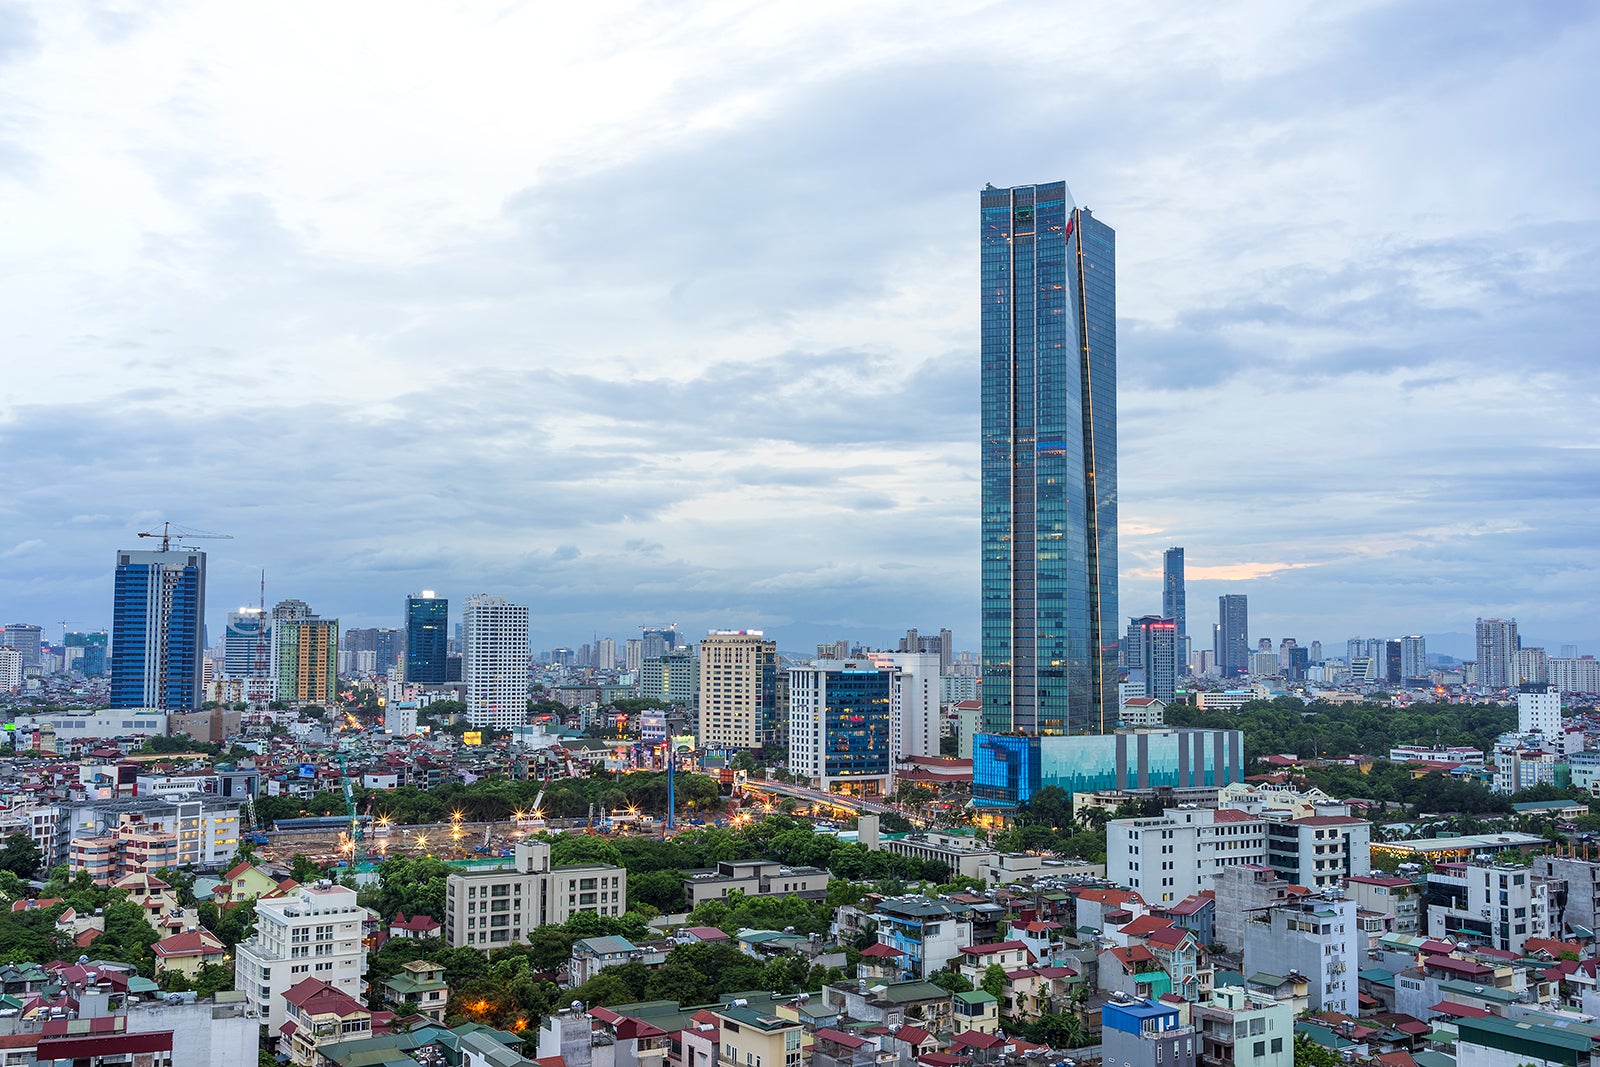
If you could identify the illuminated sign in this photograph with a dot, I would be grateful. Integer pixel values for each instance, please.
(472, 737)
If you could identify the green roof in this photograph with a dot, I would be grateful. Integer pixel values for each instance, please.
(1482, 992)
(1377, 976)
(406, 985)
(977, 996)
(1524, 1038)
(901, 992)
(1323, 1036)
(756, 1017)
(1429, 1058)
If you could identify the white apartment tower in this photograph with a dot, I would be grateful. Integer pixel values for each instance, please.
(1539, 708)
(313, 933)
(1176, 855)
(494, 661)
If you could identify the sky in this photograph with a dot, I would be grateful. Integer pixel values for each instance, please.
(650, 313)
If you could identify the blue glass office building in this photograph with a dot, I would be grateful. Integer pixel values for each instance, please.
(157, 632)
(855, 723)
(1008, 769)
(1049, 464)
(426, 642)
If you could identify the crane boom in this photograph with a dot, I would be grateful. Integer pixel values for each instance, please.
(167, 536)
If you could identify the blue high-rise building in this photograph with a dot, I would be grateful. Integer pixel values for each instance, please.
(427, 642)
(1049, 464)
(1174, 598)
(157, 630)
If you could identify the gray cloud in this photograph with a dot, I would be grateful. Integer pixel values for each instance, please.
(713, 361)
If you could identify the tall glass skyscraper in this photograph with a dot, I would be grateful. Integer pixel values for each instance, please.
(157, 630)
(1233, 634)
(426, 640)
(1174, 599)
(1049, 463)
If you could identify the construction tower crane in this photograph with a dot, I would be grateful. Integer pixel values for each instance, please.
(358, 851)
(168, 536)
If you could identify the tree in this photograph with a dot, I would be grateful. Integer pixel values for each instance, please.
(1307, 1053)
(953, 981)
(303, 868)
(570, 849)
(20, 856)
(662, 890)
(994, 981)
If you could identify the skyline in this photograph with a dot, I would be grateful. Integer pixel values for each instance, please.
(1354, 323)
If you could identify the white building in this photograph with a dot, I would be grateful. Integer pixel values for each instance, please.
(1245, 1029)
(1317, 937)
(1496, 905)
(1320, 851)
(1522, 762)
(313, 933)
(914, 726)
(1142, 712)
(494, 661)
(70, 726)
(400, 718)
(1175, 855)
(10, 670)
(1413, 658)
(500, 906)
(1575, 674)
(1539, 710)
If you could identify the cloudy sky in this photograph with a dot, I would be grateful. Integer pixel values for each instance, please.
(668, 312)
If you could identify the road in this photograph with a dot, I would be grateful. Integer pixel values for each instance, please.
(817, 796)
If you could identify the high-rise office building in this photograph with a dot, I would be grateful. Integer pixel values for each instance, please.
(632, 654)
(605, 653)
(1497, 651)
(284, 610)
(494, 661)
(739, 690)
(658, 640)
(1413, 659)
(840, 722)
(86, 652)
(1233, 635)
(426, 638)
(26, 638)
(1174, 600)
(157, 636)
(387, 647)
(1153, 649)
(242, 642)
(1391, 662)
(307, 659)
(1049, 463)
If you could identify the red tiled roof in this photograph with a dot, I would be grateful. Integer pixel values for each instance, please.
(839, 1037)
(911, 1035)
(1170, 936)
(190, 943)
(974, 1039)
(94, 1046)
(882, 951)
(1327, 820)
(417, 923)
(996, 947)
(1455, 966)
(1460, 1011)
(1146, 924)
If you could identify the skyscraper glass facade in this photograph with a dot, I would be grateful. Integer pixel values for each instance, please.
(426, 639)
(1233, 635)
(158, 602)
(1049, 463)
(1008, 770)
(1174, 600)
(855, 723)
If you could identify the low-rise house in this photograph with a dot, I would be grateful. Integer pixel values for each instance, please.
(416, 927)
(187, 952)
(420, 983)
(243, 882)
(591, 955)
(754, 878)
(930, 932)
(1243, 1029)
(317, 1013)
(893, 1004)
(976, 1010)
